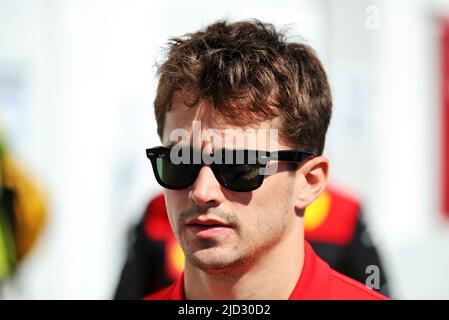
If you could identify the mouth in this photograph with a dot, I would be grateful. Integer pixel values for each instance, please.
(208, 228)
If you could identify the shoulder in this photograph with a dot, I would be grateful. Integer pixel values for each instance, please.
(344, 288)
(318, 281)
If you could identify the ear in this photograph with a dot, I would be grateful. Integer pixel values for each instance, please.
(311, 179)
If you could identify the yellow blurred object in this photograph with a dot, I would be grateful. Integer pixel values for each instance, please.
(177, 257)
(316, 213)
(28, 203)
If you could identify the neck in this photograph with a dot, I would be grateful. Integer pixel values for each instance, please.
(281, 266)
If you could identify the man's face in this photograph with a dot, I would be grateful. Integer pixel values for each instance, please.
(254, 222)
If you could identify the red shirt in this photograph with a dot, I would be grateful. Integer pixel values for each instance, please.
(316, 282)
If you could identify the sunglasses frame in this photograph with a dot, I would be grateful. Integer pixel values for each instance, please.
(263, 158)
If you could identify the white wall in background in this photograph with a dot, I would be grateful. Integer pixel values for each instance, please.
(384, 139)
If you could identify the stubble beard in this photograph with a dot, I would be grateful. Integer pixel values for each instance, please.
(233, 262)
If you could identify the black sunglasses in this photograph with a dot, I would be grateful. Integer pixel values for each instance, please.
(236, 170)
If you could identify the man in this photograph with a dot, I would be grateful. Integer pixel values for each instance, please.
(242, 115)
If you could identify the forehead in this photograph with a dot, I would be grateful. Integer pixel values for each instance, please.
(203, 126)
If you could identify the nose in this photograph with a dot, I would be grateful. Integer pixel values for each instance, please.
(206, 190)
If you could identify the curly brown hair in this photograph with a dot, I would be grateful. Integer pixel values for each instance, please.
(250, 72)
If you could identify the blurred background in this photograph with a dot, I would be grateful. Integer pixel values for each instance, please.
(77, 83)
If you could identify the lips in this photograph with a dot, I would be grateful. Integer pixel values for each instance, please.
(207, 222)
(208, 228)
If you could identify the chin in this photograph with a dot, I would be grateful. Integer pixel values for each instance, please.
(218, 262)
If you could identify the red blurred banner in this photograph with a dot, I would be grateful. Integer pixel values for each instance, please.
(445, 113)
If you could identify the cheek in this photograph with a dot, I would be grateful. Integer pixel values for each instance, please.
(169, 196)
(260, 218)
(176, 199)
(274, 205)
(261, 226)
(174, 202)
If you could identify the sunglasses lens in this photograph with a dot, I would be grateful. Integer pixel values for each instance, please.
(176, 176)
(236, 177)
(240, 177)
